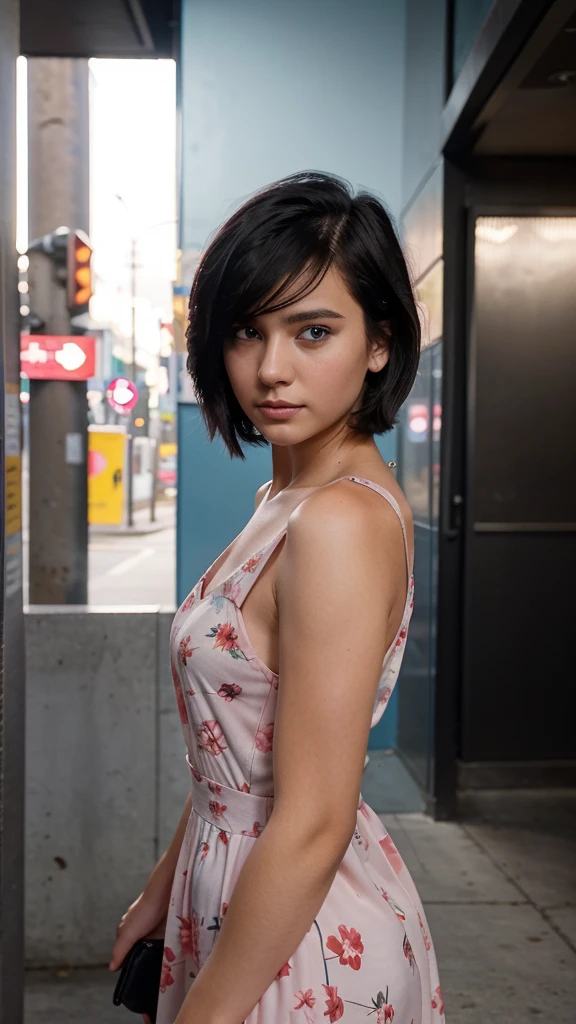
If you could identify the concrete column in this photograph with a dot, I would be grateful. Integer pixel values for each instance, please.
(11, 625)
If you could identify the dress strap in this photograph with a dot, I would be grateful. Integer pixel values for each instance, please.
(245, 577)
(392, 501)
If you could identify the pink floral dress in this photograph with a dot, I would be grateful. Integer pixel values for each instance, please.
(368, 955)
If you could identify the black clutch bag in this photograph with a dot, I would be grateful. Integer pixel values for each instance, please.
(138, 985)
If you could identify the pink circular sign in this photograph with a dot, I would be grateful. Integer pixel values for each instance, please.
(122, 394)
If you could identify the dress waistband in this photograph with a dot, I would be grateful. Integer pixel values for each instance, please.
(228, 809)
(231, 810)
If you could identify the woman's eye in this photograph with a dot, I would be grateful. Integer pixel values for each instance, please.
(250, 333)
(317, 333)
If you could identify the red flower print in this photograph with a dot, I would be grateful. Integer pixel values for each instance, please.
(334, 1003)
(392, 855)
(224, 908)
(385, 696)
(349, 949)
(187, 604)
(229, 691)
(438, 1001)
(185, 651)
(190, 936)
(264, 738)
(211, 737)
(427, 942)
(216, 809)
(306, 998)
(408, 951)
(166, 975)
(284, 971)
(244, 788)
(196, 773)
(226, 637)
(224, 837)
(231, 590)
(185, 935)
(181, 703)
(385, 1014)
(205, 847)
(254, 832)
(401, 637)
(251, 564)
(214, 787)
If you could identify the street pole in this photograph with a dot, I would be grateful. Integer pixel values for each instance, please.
(59, 195)
(130, 438)
(130, 433)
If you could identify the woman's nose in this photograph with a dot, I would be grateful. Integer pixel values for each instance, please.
(275, 366)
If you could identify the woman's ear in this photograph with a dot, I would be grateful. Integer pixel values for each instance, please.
(380, 348)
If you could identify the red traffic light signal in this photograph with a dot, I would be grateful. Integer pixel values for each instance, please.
(78, 271)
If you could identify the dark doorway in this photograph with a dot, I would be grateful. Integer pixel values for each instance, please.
(520, 510)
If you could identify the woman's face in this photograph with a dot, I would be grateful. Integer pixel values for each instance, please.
(311, 354)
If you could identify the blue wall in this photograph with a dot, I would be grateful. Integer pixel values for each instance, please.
(268, 88)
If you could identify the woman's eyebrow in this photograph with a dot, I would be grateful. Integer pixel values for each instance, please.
(312, 314)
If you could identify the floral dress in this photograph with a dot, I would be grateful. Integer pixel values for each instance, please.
(368, 955)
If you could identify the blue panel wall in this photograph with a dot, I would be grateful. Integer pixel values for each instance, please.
(268, 88)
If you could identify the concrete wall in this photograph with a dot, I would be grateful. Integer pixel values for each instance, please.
(106, 778)
(11, 625)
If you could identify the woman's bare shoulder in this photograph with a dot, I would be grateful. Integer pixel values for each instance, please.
(260, 493)
(344, 520)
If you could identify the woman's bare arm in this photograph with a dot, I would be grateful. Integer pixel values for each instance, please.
(335, 590)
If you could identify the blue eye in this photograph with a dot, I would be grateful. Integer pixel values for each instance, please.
(324, 331)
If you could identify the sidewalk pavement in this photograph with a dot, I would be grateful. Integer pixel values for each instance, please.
(499, 890)
(165, 518)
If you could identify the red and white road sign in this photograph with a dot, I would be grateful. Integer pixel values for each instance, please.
(122, 394)
(57, 357)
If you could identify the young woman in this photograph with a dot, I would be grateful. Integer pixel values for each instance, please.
(287, 901)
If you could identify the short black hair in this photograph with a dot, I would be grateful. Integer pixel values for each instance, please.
(297, 228)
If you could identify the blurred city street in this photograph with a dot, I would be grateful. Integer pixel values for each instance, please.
(134, 566)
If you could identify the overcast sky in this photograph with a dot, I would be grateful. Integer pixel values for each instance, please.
(133, 154)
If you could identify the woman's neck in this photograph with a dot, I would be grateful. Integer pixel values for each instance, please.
(320, 465)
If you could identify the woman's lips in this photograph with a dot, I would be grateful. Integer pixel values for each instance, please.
(279, 412)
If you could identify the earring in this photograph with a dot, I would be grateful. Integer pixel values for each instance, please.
(392, 465)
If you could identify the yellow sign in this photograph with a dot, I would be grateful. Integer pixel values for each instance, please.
(13, 495)
(105, 474)
(167, 449)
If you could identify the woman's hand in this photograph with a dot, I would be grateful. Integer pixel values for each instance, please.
(144, 919)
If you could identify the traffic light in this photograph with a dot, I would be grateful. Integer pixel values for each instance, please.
(141, 414)
(78, 271)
